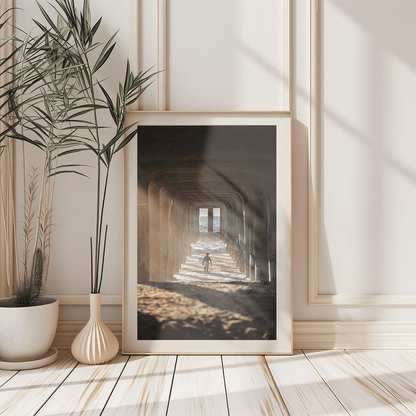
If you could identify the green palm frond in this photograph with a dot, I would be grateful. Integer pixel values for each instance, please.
(55, 102)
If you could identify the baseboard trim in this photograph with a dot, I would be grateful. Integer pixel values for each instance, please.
(308, 335)
(363, 335)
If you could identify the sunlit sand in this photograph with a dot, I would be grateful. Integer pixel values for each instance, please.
(223, 267)
(220, 304)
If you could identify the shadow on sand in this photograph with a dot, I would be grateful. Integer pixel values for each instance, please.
(194, 305)
(204, 311)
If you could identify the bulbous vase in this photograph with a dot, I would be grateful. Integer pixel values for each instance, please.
(95, 344)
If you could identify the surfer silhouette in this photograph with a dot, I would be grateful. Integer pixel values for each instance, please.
(206, 262)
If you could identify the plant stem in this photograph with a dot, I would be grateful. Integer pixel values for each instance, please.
(86, 63)
(92, 271)
(50, 209)
(24, 205)
(101, 224)
(41, 201)
(102, 265)
(97, 231)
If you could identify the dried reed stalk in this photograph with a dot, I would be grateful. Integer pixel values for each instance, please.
(50, 210)
(30, 197)
(5, 221)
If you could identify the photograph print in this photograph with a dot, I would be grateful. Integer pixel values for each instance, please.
(206, 232)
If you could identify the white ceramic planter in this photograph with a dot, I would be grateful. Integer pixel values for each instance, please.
(26, 333)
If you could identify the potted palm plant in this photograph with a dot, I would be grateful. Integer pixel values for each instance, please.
(76, 33)
(60, 116)
(40, 104)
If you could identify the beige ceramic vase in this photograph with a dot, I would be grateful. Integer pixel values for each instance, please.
(95, 344)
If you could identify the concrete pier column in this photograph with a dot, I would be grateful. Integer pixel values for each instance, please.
(171, 249)
(143, 260)
(190, 231)
(182, 235)
(246, 241)
(261, 244)
(249, 245)
(197, 219)
(272, 240)
(233, 233)
(210, 219)
(221, 219)
(154, 232)
(240, 239)
(165, 205)
(195, 224)
(176, 232)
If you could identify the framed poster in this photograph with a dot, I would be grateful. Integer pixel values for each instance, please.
(207, 234)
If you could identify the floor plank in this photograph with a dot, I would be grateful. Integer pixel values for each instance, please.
(86, 390)
(198, 387)
(357, 390)
(251, 389)
(318, 383)
(396, 370)
(302, 388)
(143, 388)
(27, 391)
(6, 376)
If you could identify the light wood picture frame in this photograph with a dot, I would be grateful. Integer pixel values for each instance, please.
(189, 162)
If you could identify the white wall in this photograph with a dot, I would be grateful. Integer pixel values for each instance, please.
(367, 181)
(228, 55)
(369, 174)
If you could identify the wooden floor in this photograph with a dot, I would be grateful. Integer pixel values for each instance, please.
(309, 383)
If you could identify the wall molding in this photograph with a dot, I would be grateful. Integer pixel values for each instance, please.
(314, 297)
(162, 52)
(322, 335)
(287, 55)
(134, 55)
(313, 174)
